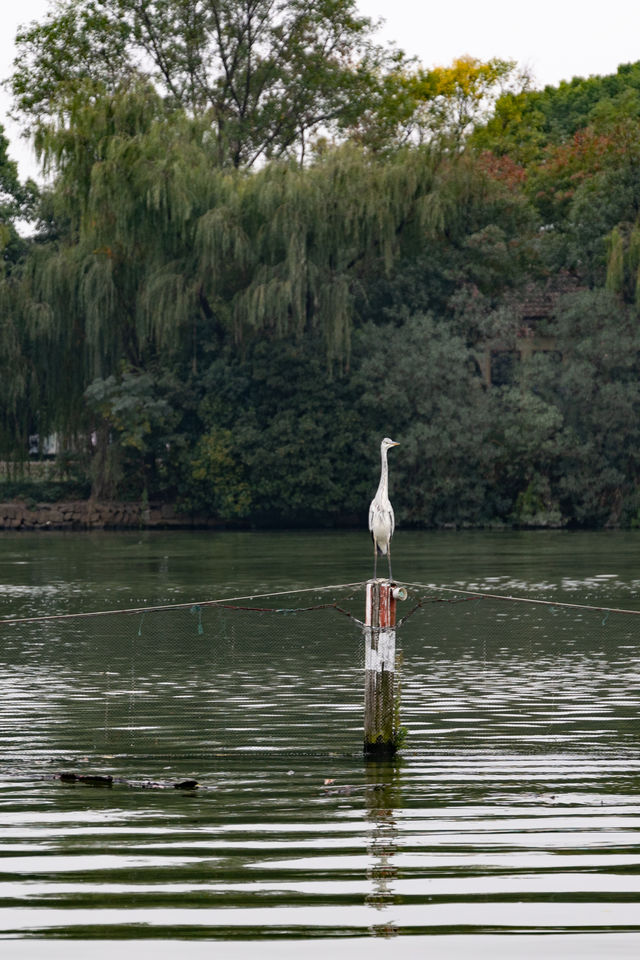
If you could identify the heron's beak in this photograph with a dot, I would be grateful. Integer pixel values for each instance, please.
(396, 443)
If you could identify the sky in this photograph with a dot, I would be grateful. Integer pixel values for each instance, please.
(554, 39)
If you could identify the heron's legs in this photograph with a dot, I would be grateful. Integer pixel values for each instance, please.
(389, 559)
(375, 559)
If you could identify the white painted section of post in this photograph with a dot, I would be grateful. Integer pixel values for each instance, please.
(381, 656)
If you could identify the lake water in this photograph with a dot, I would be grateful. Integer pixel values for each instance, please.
(510, 824)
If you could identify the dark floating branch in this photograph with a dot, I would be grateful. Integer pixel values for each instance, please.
(89, 778)
(106, 780)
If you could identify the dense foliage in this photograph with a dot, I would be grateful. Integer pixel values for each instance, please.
(268, 242)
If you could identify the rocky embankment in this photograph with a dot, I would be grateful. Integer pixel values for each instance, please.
(92, 515)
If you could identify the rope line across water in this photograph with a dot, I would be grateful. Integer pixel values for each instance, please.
(232, 603)
(222, 602)
(480, 595)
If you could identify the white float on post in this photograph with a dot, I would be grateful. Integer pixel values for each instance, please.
(380, 707)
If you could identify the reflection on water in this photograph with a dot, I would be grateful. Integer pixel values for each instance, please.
(514, 809)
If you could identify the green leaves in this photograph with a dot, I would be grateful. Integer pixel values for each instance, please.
(229, 327)
(214, 484)
(78, 51)
(412, 104)
(420, 383)
(267, 75)
(133, 423)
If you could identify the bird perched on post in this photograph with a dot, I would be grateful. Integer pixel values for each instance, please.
(381, 519)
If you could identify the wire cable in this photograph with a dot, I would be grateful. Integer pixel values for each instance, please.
(178, 606)
(496, 596)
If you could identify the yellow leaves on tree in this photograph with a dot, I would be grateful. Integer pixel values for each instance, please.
(459, 96)
(417, 105)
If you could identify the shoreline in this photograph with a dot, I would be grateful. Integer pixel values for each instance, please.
(97, 515)
(79, 515)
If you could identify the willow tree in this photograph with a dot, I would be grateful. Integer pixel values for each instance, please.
(159, 256)
(623, 262)
(17, 373)
(15, 409)
(291, 246)
(182, 252)
(165, 251)
(26, 328)
(164, 248)
(129, 181)
(285, 249)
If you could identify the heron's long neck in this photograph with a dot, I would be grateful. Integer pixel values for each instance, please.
(383, 486)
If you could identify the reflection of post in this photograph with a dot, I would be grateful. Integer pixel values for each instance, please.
(380, 709)
(383, 798)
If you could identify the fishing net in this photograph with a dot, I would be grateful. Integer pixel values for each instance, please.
(186, 681)
(488, 674)
(285, 674)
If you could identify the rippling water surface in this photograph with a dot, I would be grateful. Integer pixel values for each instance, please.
(509, 825)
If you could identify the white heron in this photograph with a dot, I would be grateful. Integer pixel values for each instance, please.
(381, 519)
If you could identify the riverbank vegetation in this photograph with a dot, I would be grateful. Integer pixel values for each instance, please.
(266, 241)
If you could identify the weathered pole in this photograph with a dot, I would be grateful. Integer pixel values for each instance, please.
(380, 707)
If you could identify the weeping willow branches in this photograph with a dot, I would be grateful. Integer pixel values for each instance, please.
(289, 244)
(162, 253)
(165, 238)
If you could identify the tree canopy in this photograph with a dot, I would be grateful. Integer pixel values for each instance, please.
(267, 241)
(268, 75)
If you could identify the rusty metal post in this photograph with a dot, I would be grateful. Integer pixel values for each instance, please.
(380, 708)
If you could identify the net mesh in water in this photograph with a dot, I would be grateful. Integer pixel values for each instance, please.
(496, 674)
(275, 675)
(183, 681)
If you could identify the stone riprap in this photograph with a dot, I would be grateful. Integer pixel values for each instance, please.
(93, 515)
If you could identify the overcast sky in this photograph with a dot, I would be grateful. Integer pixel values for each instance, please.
(555, 39)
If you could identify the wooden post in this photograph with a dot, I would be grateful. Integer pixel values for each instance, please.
(380, 710)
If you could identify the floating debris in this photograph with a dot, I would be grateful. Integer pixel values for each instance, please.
(106, 780)
(93, 779)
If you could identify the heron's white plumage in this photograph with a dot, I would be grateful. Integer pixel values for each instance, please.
(381, 518)
(381, 522)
